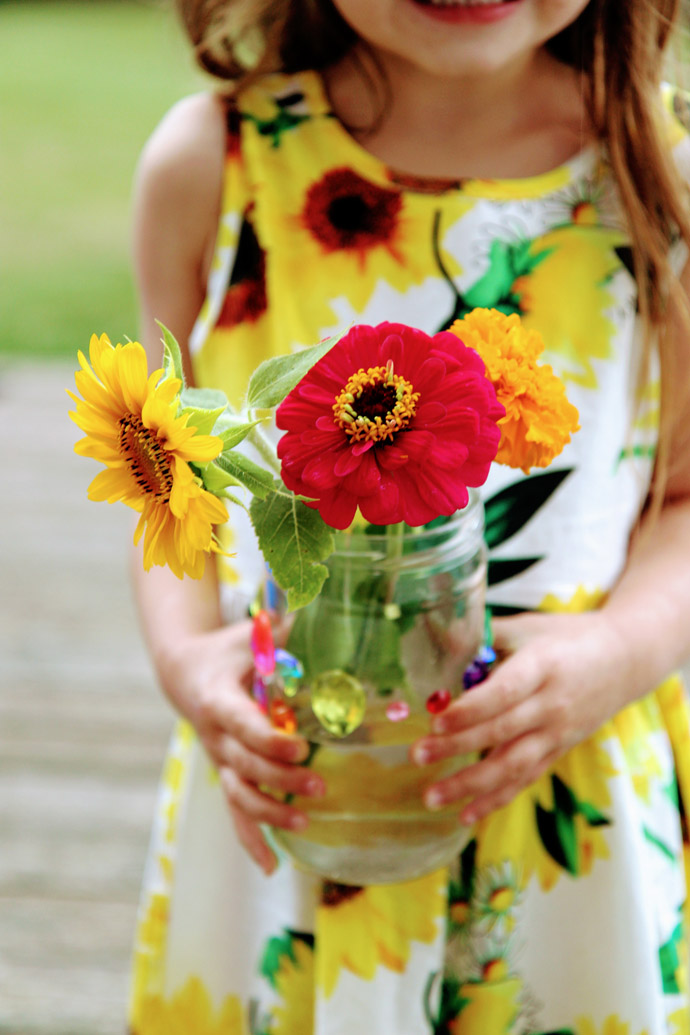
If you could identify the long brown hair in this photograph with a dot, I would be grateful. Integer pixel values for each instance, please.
(620, 47)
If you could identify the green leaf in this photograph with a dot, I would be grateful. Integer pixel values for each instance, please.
(509, 510)
(233, 430)
(216, 480)
(501, 569)
(661, 845)
(669, 961)
(557, 833)
(172, 357)
(274, 378)
(378, 656)
(322, 637)
(592, 815)
(204, 399)
(563, 798)
(276, 948)
(294, 539)
(245, 472)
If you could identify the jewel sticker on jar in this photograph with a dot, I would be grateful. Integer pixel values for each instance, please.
(338, 701)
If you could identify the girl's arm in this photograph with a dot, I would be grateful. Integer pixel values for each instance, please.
(202, 666)
(567, 674)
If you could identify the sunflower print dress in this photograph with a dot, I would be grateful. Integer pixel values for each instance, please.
(564, 915)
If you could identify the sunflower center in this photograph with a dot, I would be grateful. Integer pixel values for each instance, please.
(147, 459)
(375, 404)
(333, 894)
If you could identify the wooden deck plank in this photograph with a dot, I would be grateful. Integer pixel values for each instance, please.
(82, 728)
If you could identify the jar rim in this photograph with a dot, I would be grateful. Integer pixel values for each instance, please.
(461, 535)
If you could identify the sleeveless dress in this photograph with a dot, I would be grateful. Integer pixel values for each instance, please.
(565, 913)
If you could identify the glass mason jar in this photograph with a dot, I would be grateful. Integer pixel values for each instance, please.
(381, 649)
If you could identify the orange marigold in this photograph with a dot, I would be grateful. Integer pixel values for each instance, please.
(539, 420)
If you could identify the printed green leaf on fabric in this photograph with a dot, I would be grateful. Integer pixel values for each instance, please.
(276, 948)
(670, 961)
(557, 833)
(557, 828)
(294, 541)
(499, 569)
(665, 850)
(509, 510)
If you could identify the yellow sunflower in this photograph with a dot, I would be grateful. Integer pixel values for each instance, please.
(295, 983)
(131, 425)
(567, 296)
(513, 832)
(360, 928)
(539, 420)
(680, 1021)
(613, 1025)
(491, 1006)
(149, 949)
(189, 1012)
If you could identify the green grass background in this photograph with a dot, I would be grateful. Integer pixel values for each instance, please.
(82, 85)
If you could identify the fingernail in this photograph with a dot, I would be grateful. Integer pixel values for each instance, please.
(300, 751)
(421, 754)
(439, 725)
(468, 817)
(433, 799)
(298, 822)
(315, 787)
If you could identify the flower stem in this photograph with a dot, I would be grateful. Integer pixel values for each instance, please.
(264, 448)
(394, 550)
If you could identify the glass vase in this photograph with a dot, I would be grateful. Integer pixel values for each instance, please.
(366, 665)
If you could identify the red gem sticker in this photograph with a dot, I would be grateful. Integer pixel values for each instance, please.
(438, 701)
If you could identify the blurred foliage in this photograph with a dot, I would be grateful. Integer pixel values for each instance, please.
(82, 86)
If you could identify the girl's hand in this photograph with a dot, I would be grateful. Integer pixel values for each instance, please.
(562, 678)
(207, 676)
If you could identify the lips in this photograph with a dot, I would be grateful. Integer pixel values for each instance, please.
(472, 12)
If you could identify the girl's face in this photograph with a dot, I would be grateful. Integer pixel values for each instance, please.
(458, 38)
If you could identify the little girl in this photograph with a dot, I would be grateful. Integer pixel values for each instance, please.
(409, 160)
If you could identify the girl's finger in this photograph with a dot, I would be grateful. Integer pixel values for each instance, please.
(253, 840)
(511, 683)
(510, 765)
(260, 807)
(241, 718)
(505, 727)
(253, 768)
(482, 806)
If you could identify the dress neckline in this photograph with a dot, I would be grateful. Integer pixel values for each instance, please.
(582, 163)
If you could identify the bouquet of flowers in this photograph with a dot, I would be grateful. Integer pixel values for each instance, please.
(359, 514)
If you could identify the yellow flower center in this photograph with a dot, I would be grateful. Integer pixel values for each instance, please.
(585, 214)
(501, 899)
(495, 970)
(375, 404)
(459, 912)
(148, 460)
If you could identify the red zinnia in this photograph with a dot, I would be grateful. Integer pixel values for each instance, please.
(392, 421)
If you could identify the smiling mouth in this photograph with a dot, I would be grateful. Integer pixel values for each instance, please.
(463, 3)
